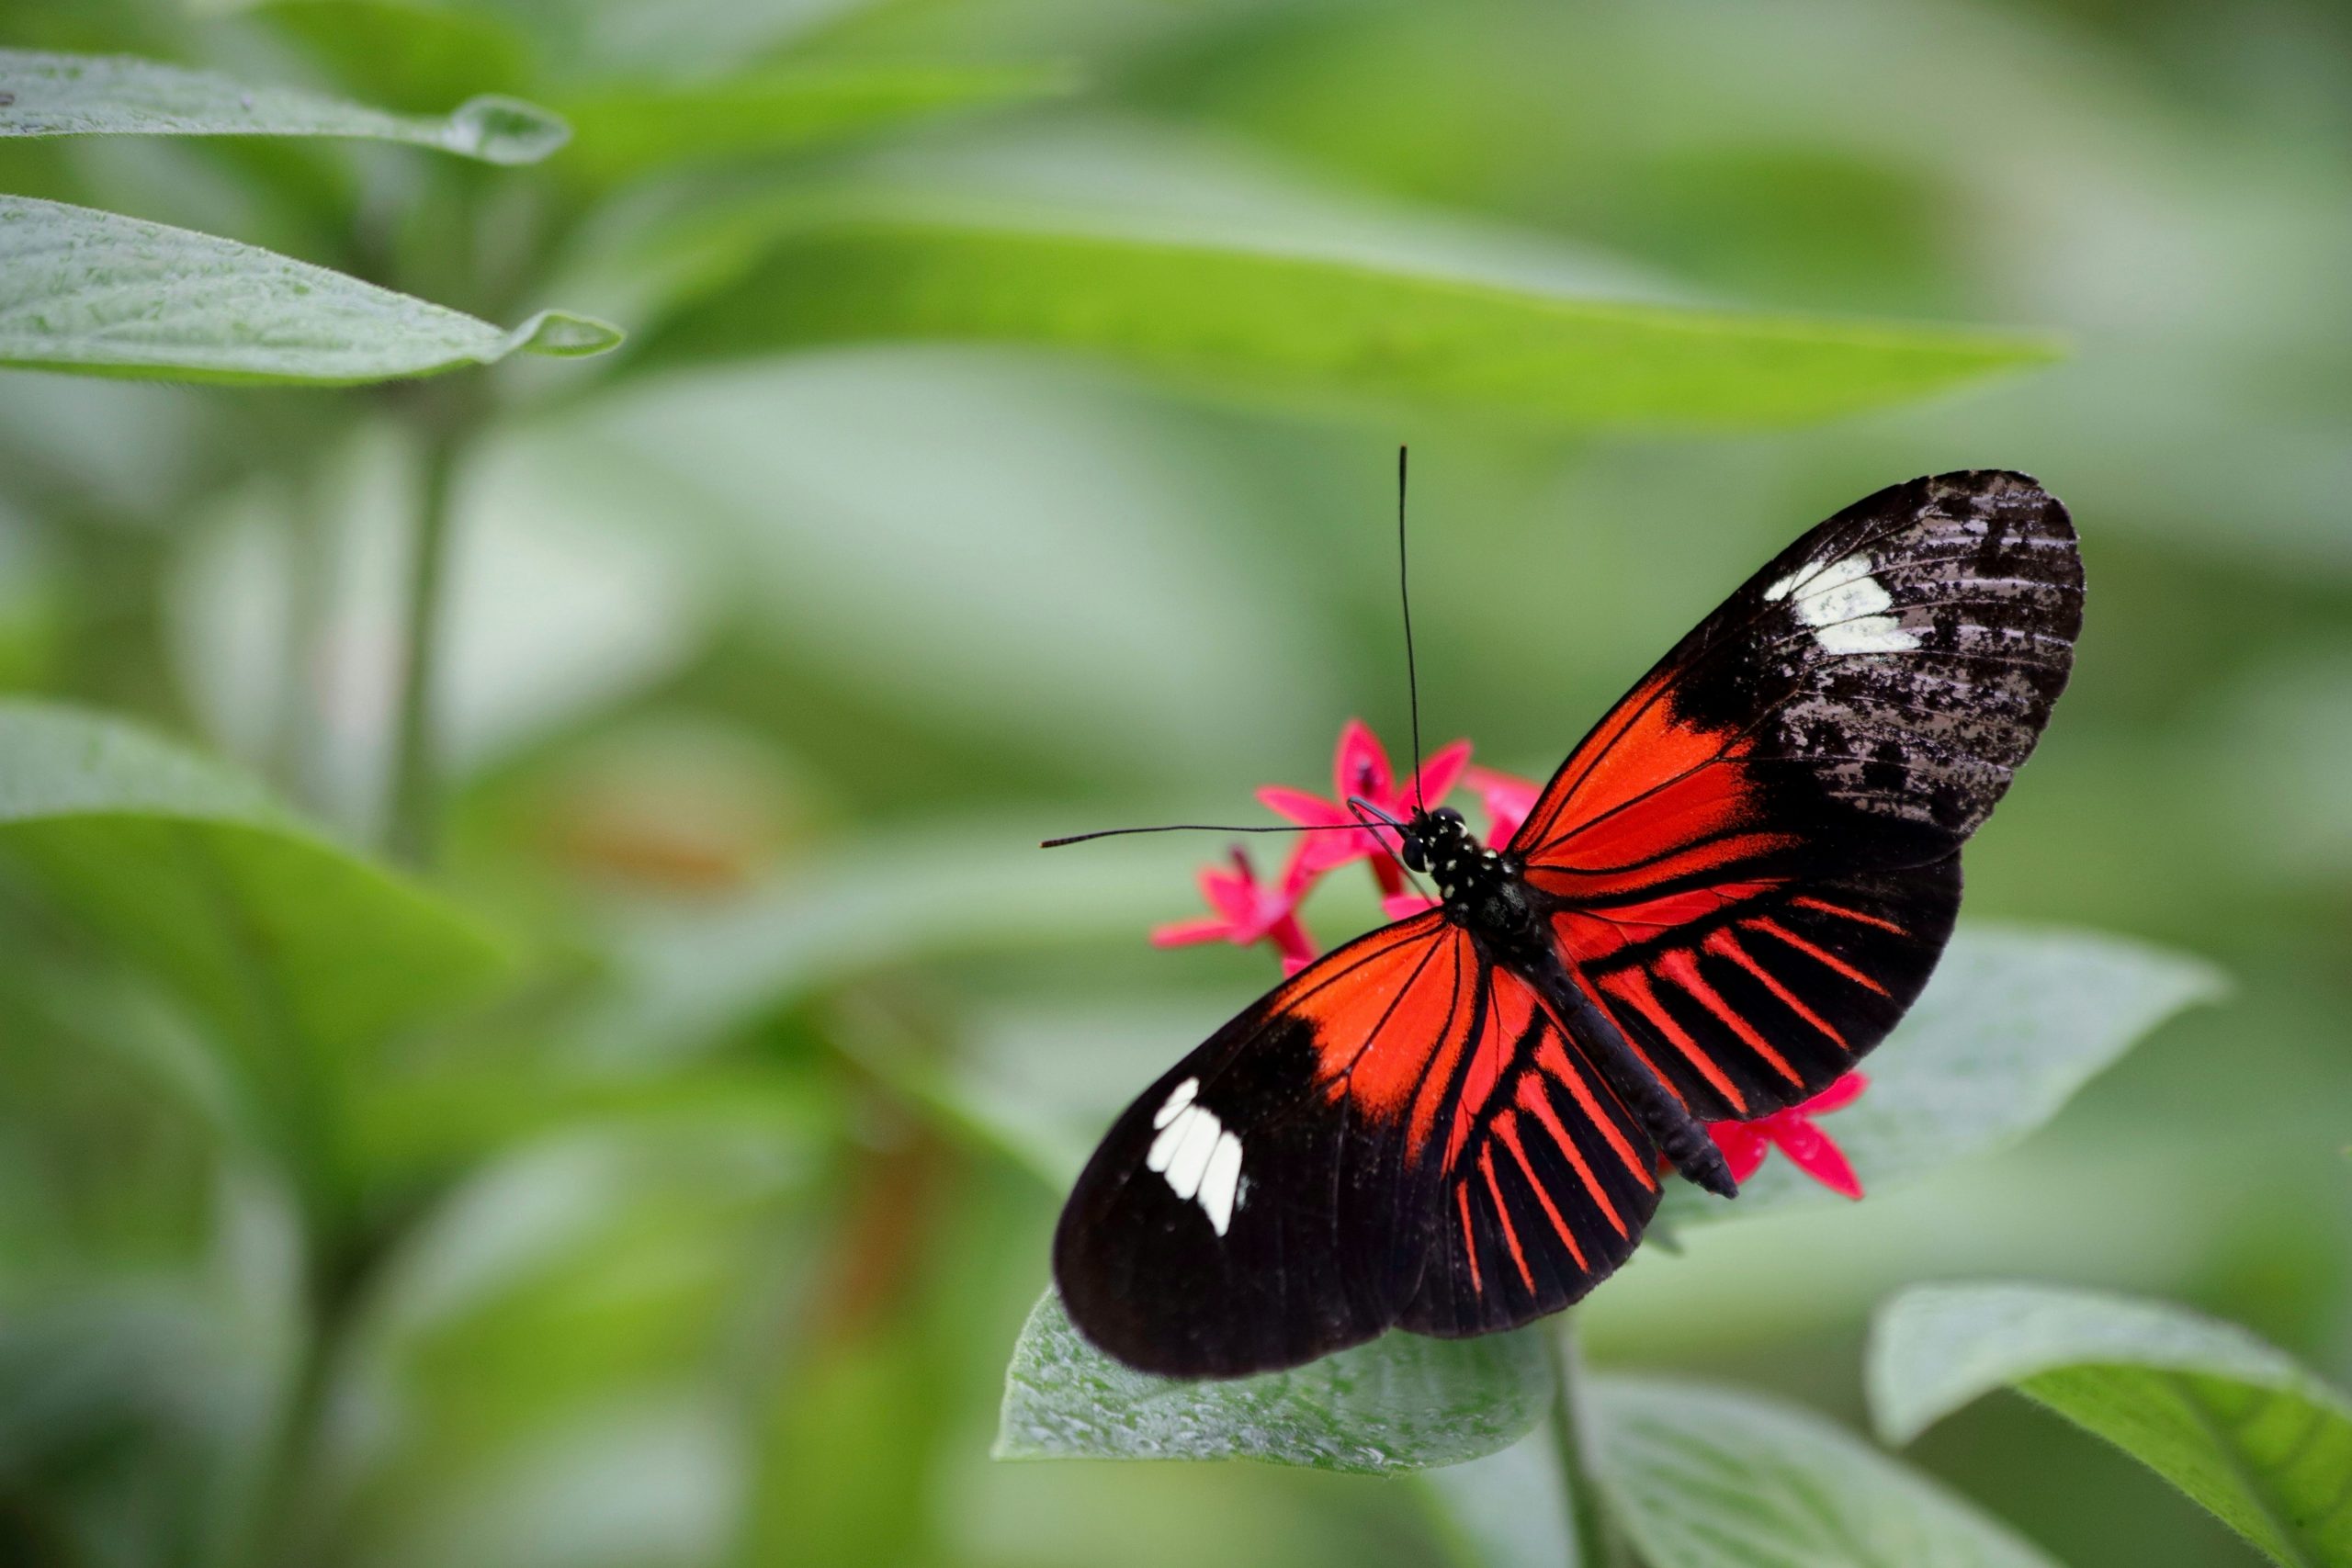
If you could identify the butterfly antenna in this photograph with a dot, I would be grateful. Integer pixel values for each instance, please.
(1202, 828)
(1405, 597)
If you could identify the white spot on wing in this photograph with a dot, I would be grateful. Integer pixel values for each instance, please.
(1846, 606)
(1222, 1182)
(1190, 1160)
(1178, 1098)
(1163, 1147)
(1200, 1161)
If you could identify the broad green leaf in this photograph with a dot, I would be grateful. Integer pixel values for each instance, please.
(1505, 1511)
(298, 950)
(1706, 1478)
(2232, 1422)
(627, 129)
(78, 95)
(1400, 1402)
(1264, 321)
(111, 295)
(2014, 1022)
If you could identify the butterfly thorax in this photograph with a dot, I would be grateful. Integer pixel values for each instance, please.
(1482, 889)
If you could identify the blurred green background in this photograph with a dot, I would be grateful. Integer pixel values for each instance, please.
(763, 670)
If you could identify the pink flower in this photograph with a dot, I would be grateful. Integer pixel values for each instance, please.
(1507, 800)
(1247, 911)
(1360, 769)
(1745, 1144)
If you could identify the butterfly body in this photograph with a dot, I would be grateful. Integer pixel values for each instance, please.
(1486, 893)
(1730, 890)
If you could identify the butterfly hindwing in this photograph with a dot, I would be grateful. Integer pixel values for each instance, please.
(1752, 861)
(1547, 1183)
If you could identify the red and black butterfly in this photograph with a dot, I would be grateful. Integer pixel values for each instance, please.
(1731, 890)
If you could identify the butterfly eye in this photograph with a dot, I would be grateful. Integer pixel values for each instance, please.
(1414, 853)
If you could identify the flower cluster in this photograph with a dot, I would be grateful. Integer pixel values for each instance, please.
(1245, 910)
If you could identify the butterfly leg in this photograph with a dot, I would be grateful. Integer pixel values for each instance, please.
(1677, 1135)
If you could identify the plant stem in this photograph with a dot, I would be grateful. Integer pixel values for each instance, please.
(310, 595)
(415, 770)
(1597, 1542)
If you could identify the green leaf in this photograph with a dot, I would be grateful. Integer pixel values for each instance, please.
(625, 131)
(1400, 1402)
(298, 951)
(2014, 1023)
(2226, 1417)
(81, 95)
(1507, 1510)
(110, 296)
(1264, 321)
(1706, 1478)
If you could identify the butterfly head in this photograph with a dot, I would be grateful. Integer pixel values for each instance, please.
(1435, 839)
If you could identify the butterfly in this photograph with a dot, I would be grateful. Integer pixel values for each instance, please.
(1729, 892)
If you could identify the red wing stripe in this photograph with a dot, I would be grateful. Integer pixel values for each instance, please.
(1724, 944)
(1683, 970)
(1554, 1061)
(1502, 1211)
(1469, 1237)
(1840, 910)
(1507, 1125)
(1772, 927)
(1478, 1080)
(1633, 987)
(1531, 1096)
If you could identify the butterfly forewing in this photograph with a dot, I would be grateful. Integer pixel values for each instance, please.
(1752, 859)
(1268, 1201)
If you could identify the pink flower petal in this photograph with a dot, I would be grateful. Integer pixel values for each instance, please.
(1184, 934)
(1320, 852)
(1810, 1150)
(1307, 810)
(1743, 1147)
(1403, 906)
(1507, 800)
(1360, 764)
(1234, 898)
(1838, 1095)
(1297, 949)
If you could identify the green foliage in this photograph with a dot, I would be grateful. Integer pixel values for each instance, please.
(1317, 326)
(1400, 1402)
(106, 295)
(660, 1173)
(624, 130)
(300, 954)
(2013, 1025)
(192, 868)
(64, 94)
(2228, 1419)
(1706, 1479)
